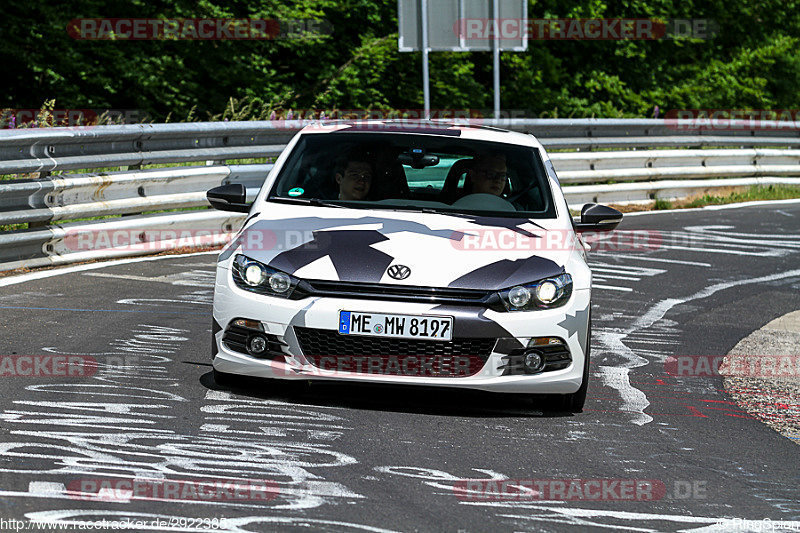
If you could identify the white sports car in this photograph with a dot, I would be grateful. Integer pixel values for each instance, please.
(419, 253)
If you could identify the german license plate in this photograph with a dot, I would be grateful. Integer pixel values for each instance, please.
(438, 328)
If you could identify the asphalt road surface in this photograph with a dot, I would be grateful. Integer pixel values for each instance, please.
(345, 458)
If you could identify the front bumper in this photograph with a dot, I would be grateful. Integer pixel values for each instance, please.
(279, 317)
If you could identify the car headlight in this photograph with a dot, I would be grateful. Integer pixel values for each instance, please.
(543, 294)
(250, 275)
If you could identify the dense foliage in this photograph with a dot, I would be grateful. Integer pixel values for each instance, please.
(753, 63)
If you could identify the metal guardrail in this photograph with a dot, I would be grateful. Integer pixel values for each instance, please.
(31, 150)
(119, 237)
(616, 134)
(74, 196)
(626, 193)
(638, 175)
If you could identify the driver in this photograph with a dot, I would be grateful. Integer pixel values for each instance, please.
(354, 179)
(488, 174)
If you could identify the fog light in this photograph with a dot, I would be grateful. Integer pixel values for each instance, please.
(280, 282)
(533, 362)
(257, 345)
(546, 292)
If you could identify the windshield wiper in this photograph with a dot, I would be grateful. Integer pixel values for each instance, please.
(303, 201)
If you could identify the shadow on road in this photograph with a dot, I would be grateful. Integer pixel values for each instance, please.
(392, 398)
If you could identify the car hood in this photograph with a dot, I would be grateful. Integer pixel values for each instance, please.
(352, 245)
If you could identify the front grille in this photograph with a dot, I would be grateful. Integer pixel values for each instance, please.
(329, 350)
(404, 293)
(379, 291)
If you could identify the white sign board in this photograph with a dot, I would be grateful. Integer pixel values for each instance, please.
(463, 25)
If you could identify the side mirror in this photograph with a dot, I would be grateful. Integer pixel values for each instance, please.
(229, 198)
(595, 217)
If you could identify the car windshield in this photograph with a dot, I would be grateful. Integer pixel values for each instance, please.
(415, 172)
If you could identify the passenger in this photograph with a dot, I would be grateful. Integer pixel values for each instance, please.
(488, 174)
(354, 179)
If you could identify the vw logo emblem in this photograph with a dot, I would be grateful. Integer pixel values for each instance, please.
(398, 271)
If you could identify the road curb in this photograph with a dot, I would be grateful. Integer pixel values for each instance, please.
(773, 400)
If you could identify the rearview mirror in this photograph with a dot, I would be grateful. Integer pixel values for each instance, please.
(417, 158)
(229, 198)
(596, 217)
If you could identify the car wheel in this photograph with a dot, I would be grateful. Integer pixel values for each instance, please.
(223, 378)
(574, 402)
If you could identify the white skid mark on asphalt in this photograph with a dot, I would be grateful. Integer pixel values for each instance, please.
(611, 288)
(618, 378)
(126, 408)
(214, 427)
(658, 311)
(606, 277)
(299, 439)
(603, 272)
(557, 511)
(625, 269)
(22, 278)
(218, 395)
(722, 233)
(46, 487)
(759, 253)
(202, 297)
(631, 396)
(228, 397)
(193, 278)
(719, 239)
(644, 257)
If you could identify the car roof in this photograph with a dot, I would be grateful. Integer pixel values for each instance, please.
(462, 128)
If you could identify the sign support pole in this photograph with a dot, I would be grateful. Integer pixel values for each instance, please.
(424, 26)
(426, 87)
(496, 56)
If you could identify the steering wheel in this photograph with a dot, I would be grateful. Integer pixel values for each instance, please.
(484, 201)
(523, 192)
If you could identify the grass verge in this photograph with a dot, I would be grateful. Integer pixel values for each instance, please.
(732, 195)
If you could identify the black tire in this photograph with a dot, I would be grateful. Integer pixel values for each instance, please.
(223, 378)
(574, 402)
